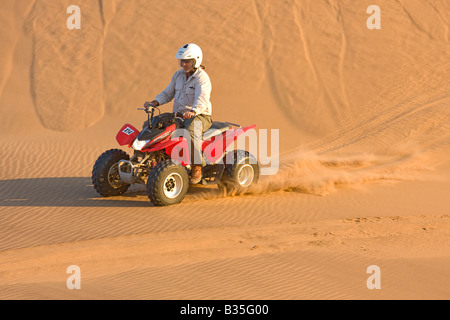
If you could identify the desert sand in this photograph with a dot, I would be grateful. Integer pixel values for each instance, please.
(364, 140)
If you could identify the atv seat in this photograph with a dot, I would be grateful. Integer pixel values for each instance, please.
(216, 129)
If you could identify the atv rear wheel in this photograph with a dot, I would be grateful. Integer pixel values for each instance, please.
(241, 172)
(105, 174)
(167, 183)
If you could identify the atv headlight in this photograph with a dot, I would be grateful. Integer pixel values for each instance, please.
(138, 145)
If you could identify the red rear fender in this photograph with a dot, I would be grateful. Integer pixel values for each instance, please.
(214, 148)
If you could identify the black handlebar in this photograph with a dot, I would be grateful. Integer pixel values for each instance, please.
(151, 112)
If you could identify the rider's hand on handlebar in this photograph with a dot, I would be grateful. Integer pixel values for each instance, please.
(188, 114)
(153, 104)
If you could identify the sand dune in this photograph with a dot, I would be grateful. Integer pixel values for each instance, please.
(363, 179)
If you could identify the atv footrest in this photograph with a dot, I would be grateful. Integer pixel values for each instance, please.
(212, 174)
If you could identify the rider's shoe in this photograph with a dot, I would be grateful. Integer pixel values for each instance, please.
(196, 174)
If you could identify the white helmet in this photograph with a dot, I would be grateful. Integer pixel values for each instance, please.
(191, 51)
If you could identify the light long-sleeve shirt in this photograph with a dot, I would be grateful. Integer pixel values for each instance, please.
(188, 94)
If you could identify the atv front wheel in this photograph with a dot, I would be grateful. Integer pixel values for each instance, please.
(105, 174)
(167, 183)
(241, 172)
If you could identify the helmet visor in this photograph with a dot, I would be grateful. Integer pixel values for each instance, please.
(187, 62)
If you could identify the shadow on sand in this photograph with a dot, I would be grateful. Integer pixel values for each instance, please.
(64, 192)
(72, 192)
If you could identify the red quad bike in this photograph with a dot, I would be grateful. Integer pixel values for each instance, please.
(161, 160)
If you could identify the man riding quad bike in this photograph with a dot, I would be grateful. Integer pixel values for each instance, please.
(161, 160)
(178, 148)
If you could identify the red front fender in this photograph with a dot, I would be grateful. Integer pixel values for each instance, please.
(176, 148)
